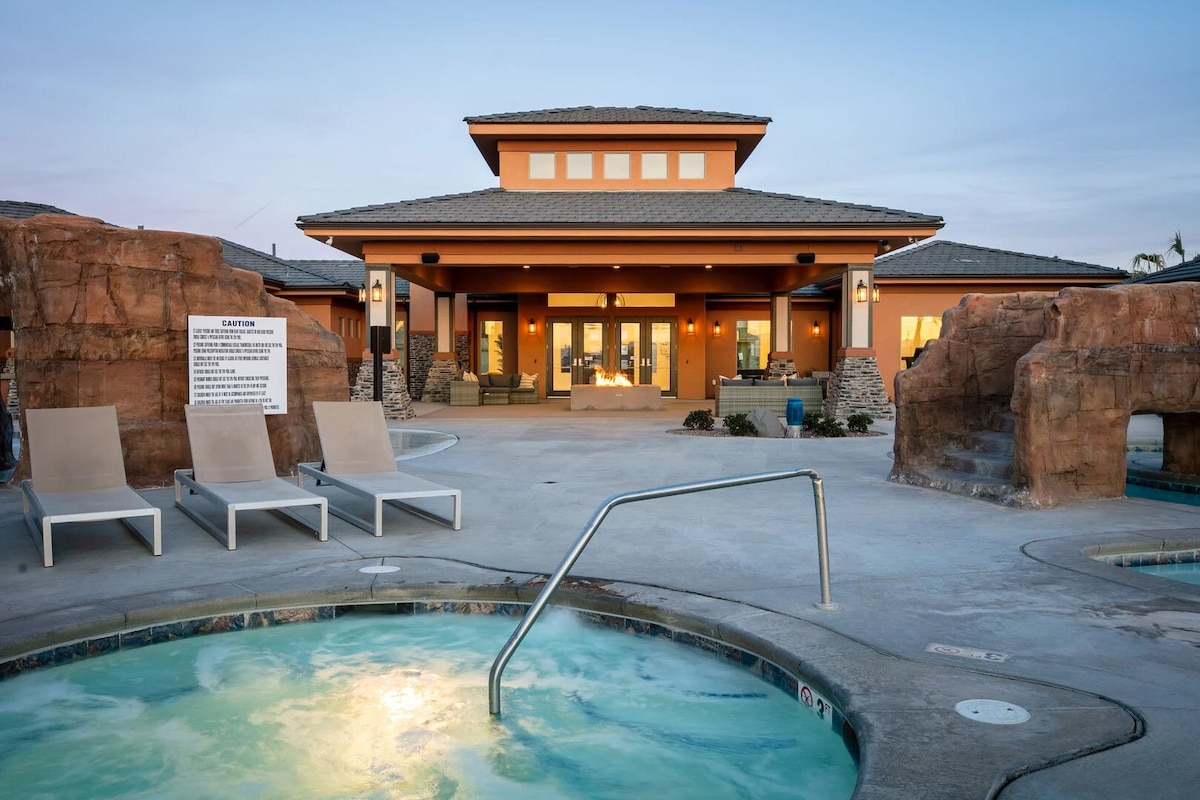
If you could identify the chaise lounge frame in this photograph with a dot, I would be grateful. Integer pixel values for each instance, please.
(78, 475)
(358, 459)
(232, 467)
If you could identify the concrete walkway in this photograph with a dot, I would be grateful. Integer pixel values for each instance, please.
(1104, 660)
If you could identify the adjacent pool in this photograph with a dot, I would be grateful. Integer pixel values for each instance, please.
(374, 705)
(1185, 573)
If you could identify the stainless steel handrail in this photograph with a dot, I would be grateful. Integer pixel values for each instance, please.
(547, 592)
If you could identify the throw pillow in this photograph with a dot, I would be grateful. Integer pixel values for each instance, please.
(526, 381)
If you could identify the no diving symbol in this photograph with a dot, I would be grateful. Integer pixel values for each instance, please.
(806, 696)
(994, 656)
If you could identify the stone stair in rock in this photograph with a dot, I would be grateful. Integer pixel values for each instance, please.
(983, 466)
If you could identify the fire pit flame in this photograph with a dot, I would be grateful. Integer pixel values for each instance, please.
(604, 378)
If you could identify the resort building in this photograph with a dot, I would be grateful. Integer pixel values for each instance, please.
(617, 239)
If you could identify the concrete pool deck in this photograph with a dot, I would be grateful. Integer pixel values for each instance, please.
(1104, 660)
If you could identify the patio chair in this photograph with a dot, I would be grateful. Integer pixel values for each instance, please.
(232, 467)
(358, 459)
(78, 475)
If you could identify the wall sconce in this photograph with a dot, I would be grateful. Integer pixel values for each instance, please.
(816, 328)
(691, 326)
(532, 326)
(362, 293)
(716, 327)
(874, 294)
(377, 292)
(860, 292)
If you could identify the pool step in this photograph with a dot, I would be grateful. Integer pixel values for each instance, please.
(997, 442)
(973, 462)
(968, 484)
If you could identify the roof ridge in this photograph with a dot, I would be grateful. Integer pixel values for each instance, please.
(401, 203)
(837, 203)
(499, 116)
(981, 248)
(285, 263)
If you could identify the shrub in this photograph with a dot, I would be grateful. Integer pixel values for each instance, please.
(812, 420)
(699, 420)
(820, 424)
(858, 422)
(740, 425)
(829, 426)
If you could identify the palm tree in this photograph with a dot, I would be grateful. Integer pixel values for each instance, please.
(1144, 263)
(1176, 247)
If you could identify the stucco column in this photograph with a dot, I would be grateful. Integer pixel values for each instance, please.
(380, 310)
(781, 322)
(444, 365)
(857, 386)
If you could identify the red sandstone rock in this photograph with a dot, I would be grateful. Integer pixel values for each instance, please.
(100, 314)
(1071, 367)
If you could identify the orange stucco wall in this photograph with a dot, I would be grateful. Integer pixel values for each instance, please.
(928, 300)
(718, 164)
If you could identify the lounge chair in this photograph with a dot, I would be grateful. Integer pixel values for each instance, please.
(78, 475)
(233, 468)
(358, 459)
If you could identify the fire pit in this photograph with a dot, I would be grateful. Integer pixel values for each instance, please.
(614, 392)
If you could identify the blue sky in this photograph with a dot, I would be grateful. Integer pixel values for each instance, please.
(1056, 127)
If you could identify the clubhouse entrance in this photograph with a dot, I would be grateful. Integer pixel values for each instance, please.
(643, 349)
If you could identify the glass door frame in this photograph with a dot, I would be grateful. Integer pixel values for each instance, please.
(610, 356)
(579, 366)
(644, 370)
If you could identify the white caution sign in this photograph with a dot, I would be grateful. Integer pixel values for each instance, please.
(238, 360)
(815, 702)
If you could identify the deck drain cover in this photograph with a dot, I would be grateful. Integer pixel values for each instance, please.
(993, 712)
(378, 569)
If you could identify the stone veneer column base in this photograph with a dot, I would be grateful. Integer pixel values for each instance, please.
(397, 403)
(442, 370)
(857, 388)
(780, 365)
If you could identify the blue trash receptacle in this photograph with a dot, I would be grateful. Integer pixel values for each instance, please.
(794, 413)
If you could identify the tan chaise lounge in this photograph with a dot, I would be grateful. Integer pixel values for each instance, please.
(78, 475)
(358, 459)
(232, 468)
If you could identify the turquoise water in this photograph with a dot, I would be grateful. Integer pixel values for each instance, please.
(391, 706)
(1154, 493)
(1185, 573)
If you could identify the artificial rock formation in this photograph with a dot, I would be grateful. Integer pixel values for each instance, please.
(1036, 391)
(100, 316)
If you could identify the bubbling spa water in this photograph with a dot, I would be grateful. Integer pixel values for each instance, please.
(390, 706)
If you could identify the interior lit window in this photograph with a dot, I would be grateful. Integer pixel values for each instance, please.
(579, 165)
(691, 166)
(616, 166)
(753, 345)
(491, 346)
(914, 333)
(648, 299)
(654, 166)
(401, 341)
(541, 166)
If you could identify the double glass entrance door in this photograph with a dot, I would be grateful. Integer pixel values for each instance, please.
(640, 348)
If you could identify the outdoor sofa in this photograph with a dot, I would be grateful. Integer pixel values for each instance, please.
(494, 389)
(740, 395)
